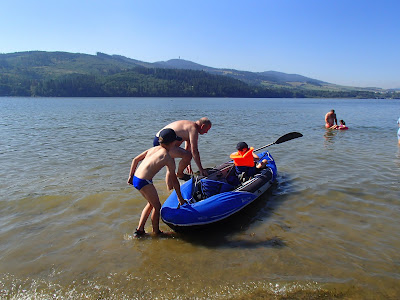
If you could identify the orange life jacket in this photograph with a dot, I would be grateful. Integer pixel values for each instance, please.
(243, 159)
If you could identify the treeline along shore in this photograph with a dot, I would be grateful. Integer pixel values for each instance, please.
(62, 74)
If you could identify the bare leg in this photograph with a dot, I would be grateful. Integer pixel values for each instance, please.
(151, 195)
(144, 216)
(185, 161)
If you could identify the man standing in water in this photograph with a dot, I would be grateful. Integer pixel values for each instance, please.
(330, 119)
(189, 132)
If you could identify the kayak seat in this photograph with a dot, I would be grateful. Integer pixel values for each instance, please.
(212, 187)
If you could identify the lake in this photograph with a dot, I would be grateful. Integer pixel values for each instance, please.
(328, 229)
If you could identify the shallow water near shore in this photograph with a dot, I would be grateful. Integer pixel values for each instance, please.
(328, 229)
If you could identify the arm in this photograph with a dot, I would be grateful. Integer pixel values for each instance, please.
(194, 137)
(175, 183)
(188, 148)
(255, 156)
(134, 164)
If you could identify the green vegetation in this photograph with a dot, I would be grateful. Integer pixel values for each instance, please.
(60, 74)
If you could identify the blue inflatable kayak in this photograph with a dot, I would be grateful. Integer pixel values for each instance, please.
(215, 198)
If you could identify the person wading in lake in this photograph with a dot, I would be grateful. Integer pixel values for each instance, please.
(152, 161)
(330, 119)
(189, 132)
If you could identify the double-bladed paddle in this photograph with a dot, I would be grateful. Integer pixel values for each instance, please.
(284, 138)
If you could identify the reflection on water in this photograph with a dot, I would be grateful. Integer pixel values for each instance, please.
(330, 134)
(328, 229)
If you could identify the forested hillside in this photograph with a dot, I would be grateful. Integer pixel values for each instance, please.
(61, 74)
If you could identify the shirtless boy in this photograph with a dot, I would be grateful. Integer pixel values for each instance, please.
(152, 161)
(330, 119)
(189, 131)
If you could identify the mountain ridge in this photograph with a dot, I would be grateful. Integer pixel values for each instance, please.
(26, 73)
(266, 78)
(271, 75)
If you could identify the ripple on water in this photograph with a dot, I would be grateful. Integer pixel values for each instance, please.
(328, 229)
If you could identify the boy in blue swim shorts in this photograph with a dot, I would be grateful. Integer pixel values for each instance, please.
(152, 161)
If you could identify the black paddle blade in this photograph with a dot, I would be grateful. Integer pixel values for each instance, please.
(288, 136)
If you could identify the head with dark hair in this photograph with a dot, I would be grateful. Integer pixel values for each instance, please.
(242, 146)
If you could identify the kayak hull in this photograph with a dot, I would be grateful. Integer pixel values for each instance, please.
(216, 198)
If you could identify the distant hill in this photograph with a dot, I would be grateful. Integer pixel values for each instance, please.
(39, 73)
(283, 77)
(252, 77)
(271, 79)
(61, 74)
(40, 64)
(182, 64)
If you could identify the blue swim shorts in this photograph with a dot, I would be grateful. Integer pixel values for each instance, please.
(140, 183)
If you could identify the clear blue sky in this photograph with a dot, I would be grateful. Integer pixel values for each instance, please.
(345, 42)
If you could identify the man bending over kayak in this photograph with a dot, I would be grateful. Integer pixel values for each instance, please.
(189, 132)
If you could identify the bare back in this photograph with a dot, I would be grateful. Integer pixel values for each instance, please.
(184, 128)
(156, 158)
(189, 131)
